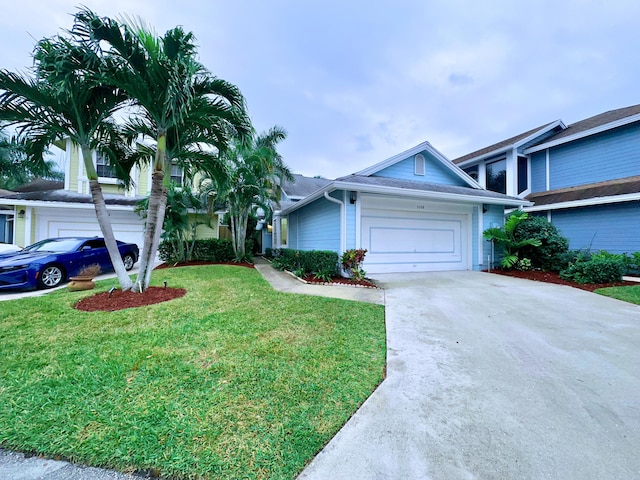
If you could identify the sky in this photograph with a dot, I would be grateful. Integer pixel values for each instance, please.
(356, 82)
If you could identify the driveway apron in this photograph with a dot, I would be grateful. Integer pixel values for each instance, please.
(492, 377)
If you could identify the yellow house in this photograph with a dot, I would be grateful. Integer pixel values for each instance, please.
(62, 209)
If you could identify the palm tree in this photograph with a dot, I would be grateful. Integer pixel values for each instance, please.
(16, 168)
(66, 99)
(171, 89)
(256, 175)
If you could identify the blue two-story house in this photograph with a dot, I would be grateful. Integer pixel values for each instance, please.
(415, 211)
(584, 177)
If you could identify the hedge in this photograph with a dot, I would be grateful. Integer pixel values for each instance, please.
(312, 262)
(206, 250)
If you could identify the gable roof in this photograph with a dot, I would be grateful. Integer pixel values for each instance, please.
(303, 186)
(590, 126)
(609, 188)
(47, 197)
(509, 143)
(424, 146)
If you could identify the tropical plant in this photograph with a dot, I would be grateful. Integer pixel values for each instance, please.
(66, 98)
(505, 239)
(601, 267)
(16, 168)
(351, 262)
(256, 173)
(172, 92)
(550, 253)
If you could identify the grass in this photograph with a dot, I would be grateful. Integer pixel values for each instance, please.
(234, 380)
(627, 294)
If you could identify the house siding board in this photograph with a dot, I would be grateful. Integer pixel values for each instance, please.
(315, 227)
(493, 217)
(606, 227)
(74, 167)
(435, 172)
(475, 261)
(609, 155)
(538, 171)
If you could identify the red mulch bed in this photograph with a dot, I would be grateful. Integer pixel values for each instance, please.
(119, 300)
(552, 277)
(341, 281)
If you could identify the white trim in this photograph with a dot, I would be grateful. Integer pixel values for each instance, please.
(82, 206)
(425, 146)
(343, 221)
(358, 220)
(480, 236)
(629, 197)
(27, 225)
(585, 133)
(537, 133)
(405, 192)
(67, 165)
(419, 165)
(547, 172)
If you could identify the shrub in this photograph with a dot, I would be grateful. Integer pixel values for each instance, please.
(311, 262)
(548, 255)
(352, 261)
(602, 267)
(510, 247)
(205, 250)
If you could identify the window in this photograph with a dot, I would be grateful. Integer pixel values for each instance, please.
(419, 164)
(176, 175)
(283, 231)
(497, 176)
(472, 172)
(103, 169)
(523, 174)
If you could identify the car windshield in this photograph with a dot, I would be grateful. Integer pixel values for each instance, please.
(54, 245)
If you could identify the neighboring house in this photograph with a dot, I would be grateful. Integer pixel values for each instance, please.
(415, 211)
(46, 209)
(584, 177)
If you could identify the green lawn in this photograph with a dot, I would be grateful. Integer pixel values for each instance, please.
(234, 380)
(627, 294)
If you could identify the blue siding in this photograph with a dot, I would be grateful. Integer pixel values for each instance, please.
(609, 155)
(435, 172)
(494, 217)
(475, 263)
(315, 226)
(613, 228)
(538, 171)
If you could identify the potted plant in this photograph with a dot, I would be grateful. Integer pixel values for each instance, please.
(84, 279)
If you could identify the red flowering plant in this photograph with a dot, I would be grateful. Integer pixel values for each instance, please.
(352, 261)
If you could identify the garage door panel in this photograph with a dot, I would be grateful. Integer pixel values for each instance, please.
(408, 241)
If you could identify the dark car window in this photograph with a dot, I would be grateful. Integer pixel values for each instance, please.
(54, 245)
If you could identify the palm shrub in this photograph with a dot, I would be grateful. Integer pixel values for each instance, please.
(510, 246)
(548, 255)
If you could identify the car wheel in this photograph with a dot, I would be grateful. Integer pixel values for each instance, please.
(128, 261)
(51, 276)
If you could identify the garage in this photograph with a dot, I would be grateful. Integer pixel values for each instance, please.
(413, 235)
(50, 222)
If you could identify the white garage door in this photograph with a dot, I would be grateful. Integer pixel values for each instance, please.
(403, 235)
(127, 225)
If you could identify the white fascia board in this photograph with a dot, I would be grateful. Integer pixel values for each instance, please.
(395, 159)
(406, 192)
(585, 133)
(78, 206)
(589, 202)
(424, 146)
(537, 133)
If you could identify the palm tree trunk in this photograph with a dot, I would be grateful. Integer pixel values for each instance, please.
(103, 220)
(155, 217)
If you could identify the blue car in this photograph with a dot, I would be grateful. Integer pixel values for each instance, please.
(48, 263)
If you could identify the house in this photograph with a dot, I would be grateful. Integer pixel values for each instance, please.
(415, 211)
(46, 209)
(584, 177)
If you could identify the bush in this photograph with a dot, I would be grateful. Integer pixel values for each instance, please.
(324, 262)
(602, 267)
(205, 250)
(352, 262)
(552, 245)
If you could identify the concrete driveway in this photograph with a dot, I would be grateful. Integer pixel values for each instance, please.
(492, 377)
